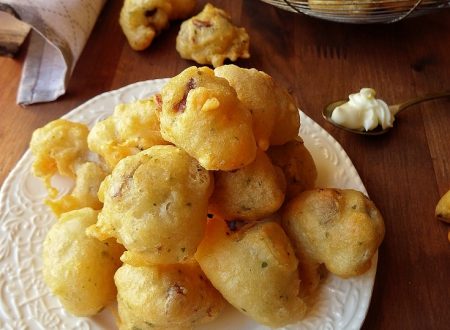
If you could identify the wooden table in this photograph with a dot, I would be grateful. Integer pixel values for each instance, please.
(405, 171)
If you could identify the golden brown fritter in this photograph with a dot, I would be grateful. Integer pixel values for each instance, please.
(78, 269)
(255, 269)
(142, 20)
(287, 123)
(202, 115)
(210, 37)
(132, 127)
(275, 116)
(58, 147)
(297, 165)
(443, 207)
(155, 204)
(173, 296)
(89, 176)
(249, 193)
(340, 228)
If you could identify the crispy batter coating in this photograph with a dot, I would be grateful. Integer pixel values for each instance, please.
(210, 37)
(249, 193)
(255, 269)
(174, 296)
(58, 147)
(143, 20)
(255, 90)
(443, 207)
(297, 164)
(340, 228)
(275, 117)
(287, 123)
(155, 204)
(84, 194)
(133, 127)
(311, 273)
(78, 269)
(202, 114)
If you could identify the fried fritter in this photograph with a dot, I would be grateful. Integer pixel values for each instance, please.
(202, 115)
(133, 127)
(275, 116)
(255, 269)
(78, 269)
(210, 37)
(155, 204)
(173, 296)
(58, 147)
(443, 207)
(297, 164)
(311, 274)
(249, 193)
(88, 178)
(142, 20)
(287, 123)
(341, 228)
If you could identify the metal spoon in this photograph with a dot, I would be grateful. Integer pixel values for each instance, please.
(395, 109)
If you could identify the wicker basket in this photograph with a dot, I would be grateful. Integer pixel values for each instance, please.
(361, 11)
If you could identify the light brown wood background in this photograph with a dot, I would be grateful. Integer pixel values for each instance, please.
(405, 172)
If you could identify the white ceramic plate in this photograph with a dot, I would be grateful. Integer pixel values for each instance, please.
(25, 301)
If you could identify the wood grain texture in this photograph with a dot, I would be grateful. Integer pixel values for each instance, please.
(405, 171)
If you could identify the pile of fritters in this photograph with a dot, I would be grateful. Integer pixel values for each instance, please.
(206, 193)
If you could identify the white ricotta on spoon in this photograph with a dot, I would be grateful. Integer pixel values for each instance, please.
(363, 112)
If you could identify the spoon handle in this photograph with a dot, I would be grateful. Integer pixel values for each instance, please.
(427, 97)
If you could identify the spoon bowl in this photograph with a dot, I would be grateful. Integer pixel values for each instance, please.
(394, 109)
